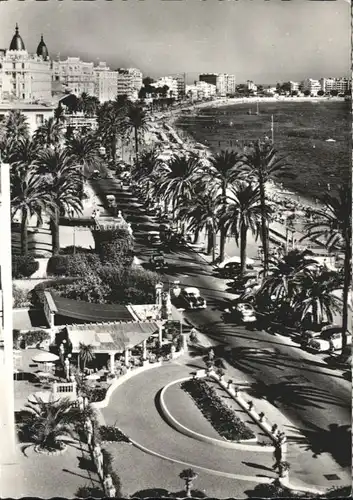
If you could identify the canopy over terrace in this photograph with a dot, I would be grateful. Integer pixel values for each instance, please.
(112, 338)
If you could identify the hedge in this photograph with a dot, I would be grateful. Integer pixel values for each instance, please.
(20, 297)
(23, 267)
(79, 264)
(221, 417)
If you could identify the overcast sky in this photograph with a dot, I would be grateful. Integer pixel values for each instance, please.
(264, 41)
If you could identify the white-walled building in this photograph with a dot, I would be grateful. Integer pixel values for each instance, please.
(172, 84)
(24, 76)
(77, 76)
(126, 84)
(225, 84)
(342, 84)
(200, 90)
(251, 86)
(294, 86)
(105, 82)
(311, 85)
(136, 78)
(36, 114)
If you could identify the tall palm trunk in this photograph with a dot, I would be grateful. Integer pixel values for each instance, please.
(346, 287)
(24, 233)
(223, 231)
(214, 245)
(196, 236)
(264, 229)
(136, 145)
(55, 232)
(210, 240)
(243, 235)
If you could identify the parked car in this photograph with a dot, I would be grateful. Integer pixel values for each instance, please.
(317, 331)
(190, 298)
(154, 238)
(157, 262)
(240, 312)
(328, 341)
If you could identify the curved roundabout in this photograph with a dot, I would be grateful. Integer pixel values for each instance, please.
(137, 409)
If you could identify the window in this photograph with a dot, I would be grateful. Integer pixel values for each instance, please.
(23, 65)
(39, 119)
(23, 96)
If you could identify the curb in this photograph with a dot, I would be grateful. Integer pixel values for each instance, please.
(286, 483)
(201, 437)
(120, 381)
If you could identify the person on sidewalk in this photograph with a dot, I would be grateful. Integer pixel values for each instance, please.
(277, 455)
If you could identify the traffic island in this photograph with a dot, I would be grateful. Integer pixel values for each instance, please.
(181, 413)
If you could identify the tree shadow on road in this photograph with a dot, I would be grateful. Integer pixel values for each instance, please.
(336, 440)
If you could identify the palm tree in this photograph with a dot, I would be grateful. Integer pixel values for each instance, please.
(315, 296)
(23, 155)
(177, 179)
(13, 129)
(46, 424)
(49, 134)
(334, 224)
(200, 213)
(16, 126)
(85, 150)
(86, 354)
(243, 212)
(222, 171)
(262, 164)
(110, 118)
(188, 475)
(64, 185)
(136, 120)
(29, 196)
(280, 289)
(88, 104)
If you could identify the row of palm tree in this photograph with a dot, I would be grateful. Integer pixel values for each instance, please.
(228, 195)
(48, 169)
(225, 194)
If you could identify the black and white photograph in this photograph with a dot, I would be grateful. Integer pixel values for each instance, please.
(175, 249)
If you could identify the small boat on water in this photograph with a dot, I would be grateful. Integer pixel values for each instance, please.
(330, 140)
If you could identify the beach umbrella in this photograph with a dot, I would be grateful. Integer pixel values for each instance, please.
(45, 357)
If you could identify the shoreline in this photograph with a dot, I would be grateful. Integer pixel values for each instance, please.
(274, 189)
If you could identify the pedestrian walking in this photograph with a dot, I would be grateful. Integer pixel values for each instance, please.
(277, 455)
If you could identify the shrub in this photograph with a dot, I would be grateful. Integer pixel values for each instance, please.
(115, 246)
(221, 417)
(74, 250)
(78, 264)
(20, 297)
(111, 433)
(90, 288)
(34, 337)
(16, 337)
(23, 267)
(36, 296)
(108, 469)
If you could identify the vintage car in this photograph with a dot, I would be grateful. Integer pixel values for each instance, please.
(154, 238)
(318, 331)
(190, 298)
(157, 261)
(240, 312)
(328, 341)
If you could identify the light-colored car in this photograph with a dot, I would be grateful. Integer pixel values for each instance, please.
(241, 312)
(154, 238)
(190, 298)
(328, 341)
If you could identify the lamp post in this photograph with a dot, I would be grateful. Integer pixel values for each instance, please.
(181, 310)
(74, 233)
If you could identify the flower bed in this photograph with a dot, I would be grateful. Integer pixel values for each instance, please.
(221, 417)
(112, 434)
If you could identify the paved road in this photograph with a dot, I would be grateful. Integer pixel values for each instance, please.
(313, 396)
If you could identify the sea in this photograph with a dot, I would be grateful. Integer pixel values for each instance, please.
(313, 137)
